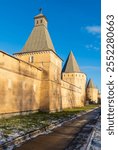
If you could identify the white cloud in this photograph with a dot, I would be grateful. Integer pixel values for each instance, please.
(93, 29)
(90, 46)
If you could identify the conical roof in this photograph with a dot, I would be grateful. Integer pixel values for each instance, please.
(71, 65)
(90, 84)
(39, 38)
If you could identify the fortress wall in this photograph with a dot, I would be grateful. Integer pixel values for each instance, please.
(19, 85)
(71, 95)
(24, 88)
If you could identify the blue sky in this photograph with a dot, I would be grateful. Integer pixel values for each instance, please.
(73, 25)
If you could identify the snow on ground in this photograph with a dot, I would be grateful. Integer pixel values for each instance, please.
(95, 142)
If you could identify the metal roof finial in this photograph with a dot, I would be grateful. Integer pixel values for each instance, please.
(40, 10)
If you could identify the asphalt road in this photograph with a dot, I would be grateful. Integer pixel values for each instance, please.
(61, 136)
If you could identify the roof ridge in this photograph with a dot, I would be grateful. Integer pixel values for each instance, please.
(48, 36)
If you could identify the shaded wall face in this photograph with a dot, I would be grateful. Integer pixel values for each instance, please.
(19, 85)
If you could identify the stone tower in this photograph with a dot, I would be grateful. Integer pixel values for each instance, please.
(71, 73)
(92, 92)
(40, 52)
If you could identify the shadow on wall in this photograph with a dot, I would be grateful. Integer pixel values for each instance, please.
(18, 95)
(71, 100)
(28, 97)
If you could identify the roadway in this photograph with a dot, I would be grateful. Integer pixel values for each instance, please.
(60, 138)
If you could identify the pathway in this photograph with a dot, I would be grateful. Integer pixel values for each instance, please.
(61, 136)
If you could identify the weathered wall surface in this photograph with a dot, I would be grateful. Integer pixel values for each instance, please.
(19, 85)
(71, 95)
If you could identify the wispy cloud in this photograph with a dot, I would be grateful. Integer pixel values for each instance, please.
(91, 46)
(93, 29)
(91, 68)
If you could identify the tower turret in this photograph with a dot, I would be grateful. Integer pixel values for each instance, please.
(40, 20)
(91, 92)
(71, 73)
(39, 39)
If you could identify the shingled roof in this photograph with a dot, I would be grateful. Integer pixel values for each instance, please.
(71, 65)
(39, 38)
(90, 84)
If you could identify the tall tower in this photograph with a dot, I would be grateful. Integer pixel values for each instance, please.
(39, 51)
(71, 73)
(92, 92)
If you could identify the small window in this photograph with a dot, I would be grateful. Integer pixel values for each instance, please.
(31, 59)
(41, 21)
(37, 22)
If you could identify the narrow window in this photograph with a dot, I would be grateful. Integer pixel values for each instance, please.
(41, 21)
(31, 59)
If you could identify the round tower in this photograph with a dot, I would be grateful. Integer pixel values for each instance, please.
(91, 92)
(71, 73)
